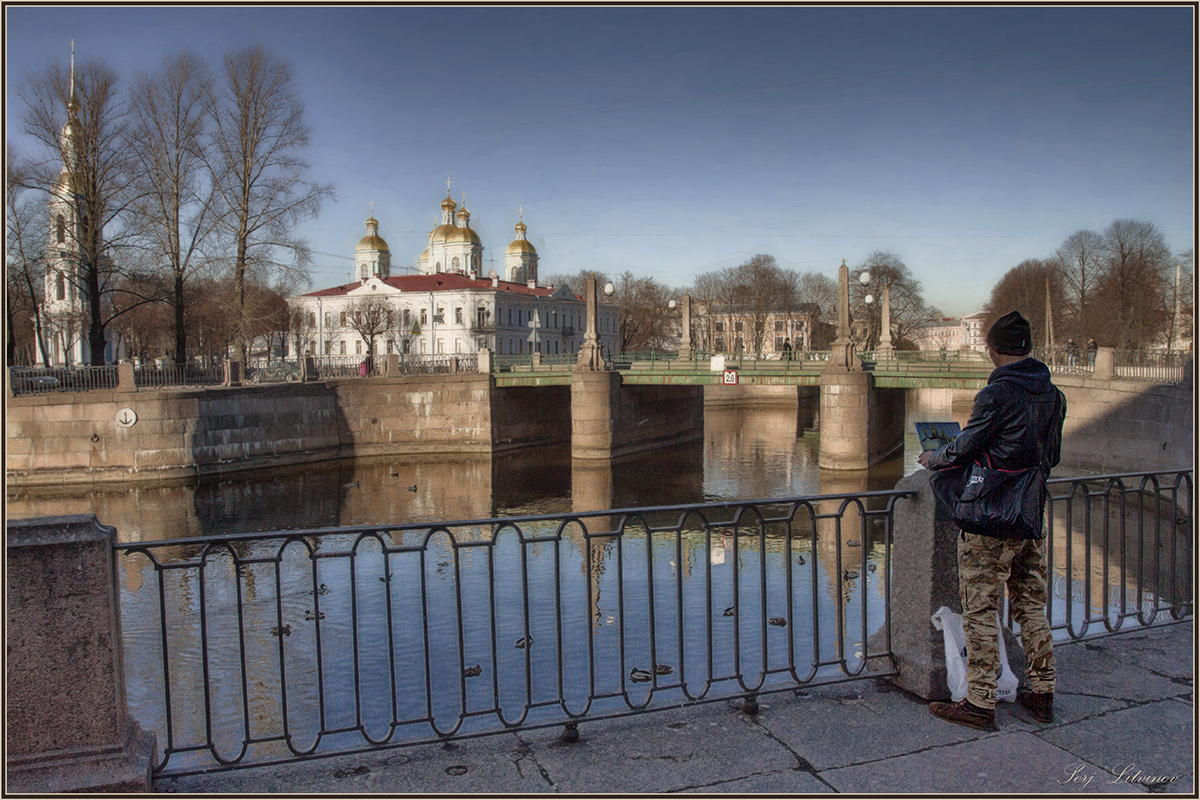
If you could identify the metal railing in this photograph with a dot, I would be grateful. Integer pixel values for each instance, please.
(407, 364)
(179, 375)
(267, 648)
(39, 380)
(515, 362)
(1119, 550)
(1148, 366)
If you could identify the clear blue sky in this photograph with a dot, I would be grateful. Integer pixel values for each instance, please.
(674, 141)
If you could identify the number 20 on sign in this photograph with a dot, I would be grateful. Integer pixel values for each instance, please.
(729, 377)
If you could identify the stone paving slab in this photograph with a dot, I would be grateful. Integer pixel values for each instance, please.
(1117, 670)
(667, 751)
(492, 765)
(1162, 756)
(997, 764)
(1129, 705)
(874, 721)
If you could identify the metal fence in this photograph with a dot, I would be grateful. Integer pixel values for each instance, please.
(38, 380)
(179, 375)
(264, 648)
(1120, 550)
(407, 364)
(1151, 367)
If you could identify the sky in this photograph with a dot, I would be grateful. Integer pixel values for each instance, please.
(674, 141)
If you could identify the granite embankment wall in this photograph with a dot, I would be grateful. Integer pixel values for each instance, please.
(76, 439)
(1122, 426)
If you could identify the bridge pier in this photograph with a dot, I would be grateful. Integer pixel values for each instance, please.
(609, 420)
(861, 424)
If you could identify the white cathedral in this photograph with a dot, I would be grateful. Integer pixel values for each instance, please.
(448, 306)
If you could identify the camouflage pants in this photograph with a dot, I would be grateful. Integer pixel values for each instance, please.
(986, 565)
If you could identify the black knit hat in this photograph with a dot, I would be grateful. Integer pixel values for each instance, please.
(1010, 335)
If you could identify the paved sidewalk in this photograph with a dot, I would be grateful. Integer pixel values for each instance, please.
(1124, 723)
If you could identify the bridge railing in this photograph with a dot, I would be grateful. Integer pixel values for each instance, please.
(265, 648)
(518, 362)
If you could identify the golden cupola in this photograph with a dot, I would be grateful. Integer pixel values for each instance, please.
(372, 241)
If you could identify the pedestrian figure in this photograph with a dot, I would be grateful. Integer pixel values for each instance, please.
(1015, 424)
(1072, 352)
(362, 369)
(1091, 352)
(787, 349)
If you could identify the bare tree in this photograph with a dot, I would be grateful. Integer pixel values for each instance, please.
(1136, 262)
(759, 291)
(708, 291)
(23, 264)
(93, 185)
(369, 316)
(908, 307)
(645, 321)
(1080, 260)
(176, 199)
(1023, 288)
(259, 135)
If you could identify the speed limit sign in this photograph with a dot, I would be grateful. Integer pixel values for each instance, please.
(729, 377)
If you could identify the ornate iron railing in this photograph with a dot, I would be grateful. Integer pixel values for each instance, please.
(265, 648)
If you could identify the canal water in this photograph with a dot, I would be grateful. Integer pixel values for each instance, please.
(412, 634)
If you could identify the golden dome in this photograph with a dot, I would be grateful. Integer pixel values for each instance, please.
(449, 204)
(464, 235)
(442, 233)
(371, 243)
(520, 227)
(521, 247)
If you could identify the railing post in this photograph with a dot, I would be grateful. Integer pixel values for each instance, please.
(68, 722)
(233, 373)
(1105, 364)
(126, 379)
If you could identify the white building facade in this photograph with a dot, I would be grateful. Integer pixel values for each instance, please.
(952, 333)
(448, 307)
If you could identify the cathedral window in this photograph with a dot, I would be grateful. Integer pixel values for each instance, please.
(362, 273)
(454, 264)
(60, 229)
(438, 266)
(60, 287)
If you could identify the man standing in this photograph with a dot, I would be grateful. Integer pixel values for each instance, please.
(1016, 424)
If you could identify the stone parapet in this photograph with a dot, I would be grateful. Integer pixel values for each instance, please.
(68, 724)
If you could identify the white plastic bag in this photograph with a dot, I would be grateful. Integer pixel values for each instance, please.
(951, 626)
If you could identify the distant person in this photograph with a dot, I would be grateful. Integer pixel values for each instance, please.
(787, 349)
(1015, 424)
(362, 369)
(1072, 352)
(1091, 351)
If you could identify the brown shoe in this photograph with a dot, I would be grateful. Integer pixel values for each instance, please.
(1039, 704)
(963, 713)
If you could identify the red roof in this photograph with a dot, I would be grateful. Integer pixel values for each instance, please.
(440, 282)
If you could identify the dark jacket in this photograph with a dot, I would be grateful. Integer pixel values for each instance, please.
(1016, 421)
